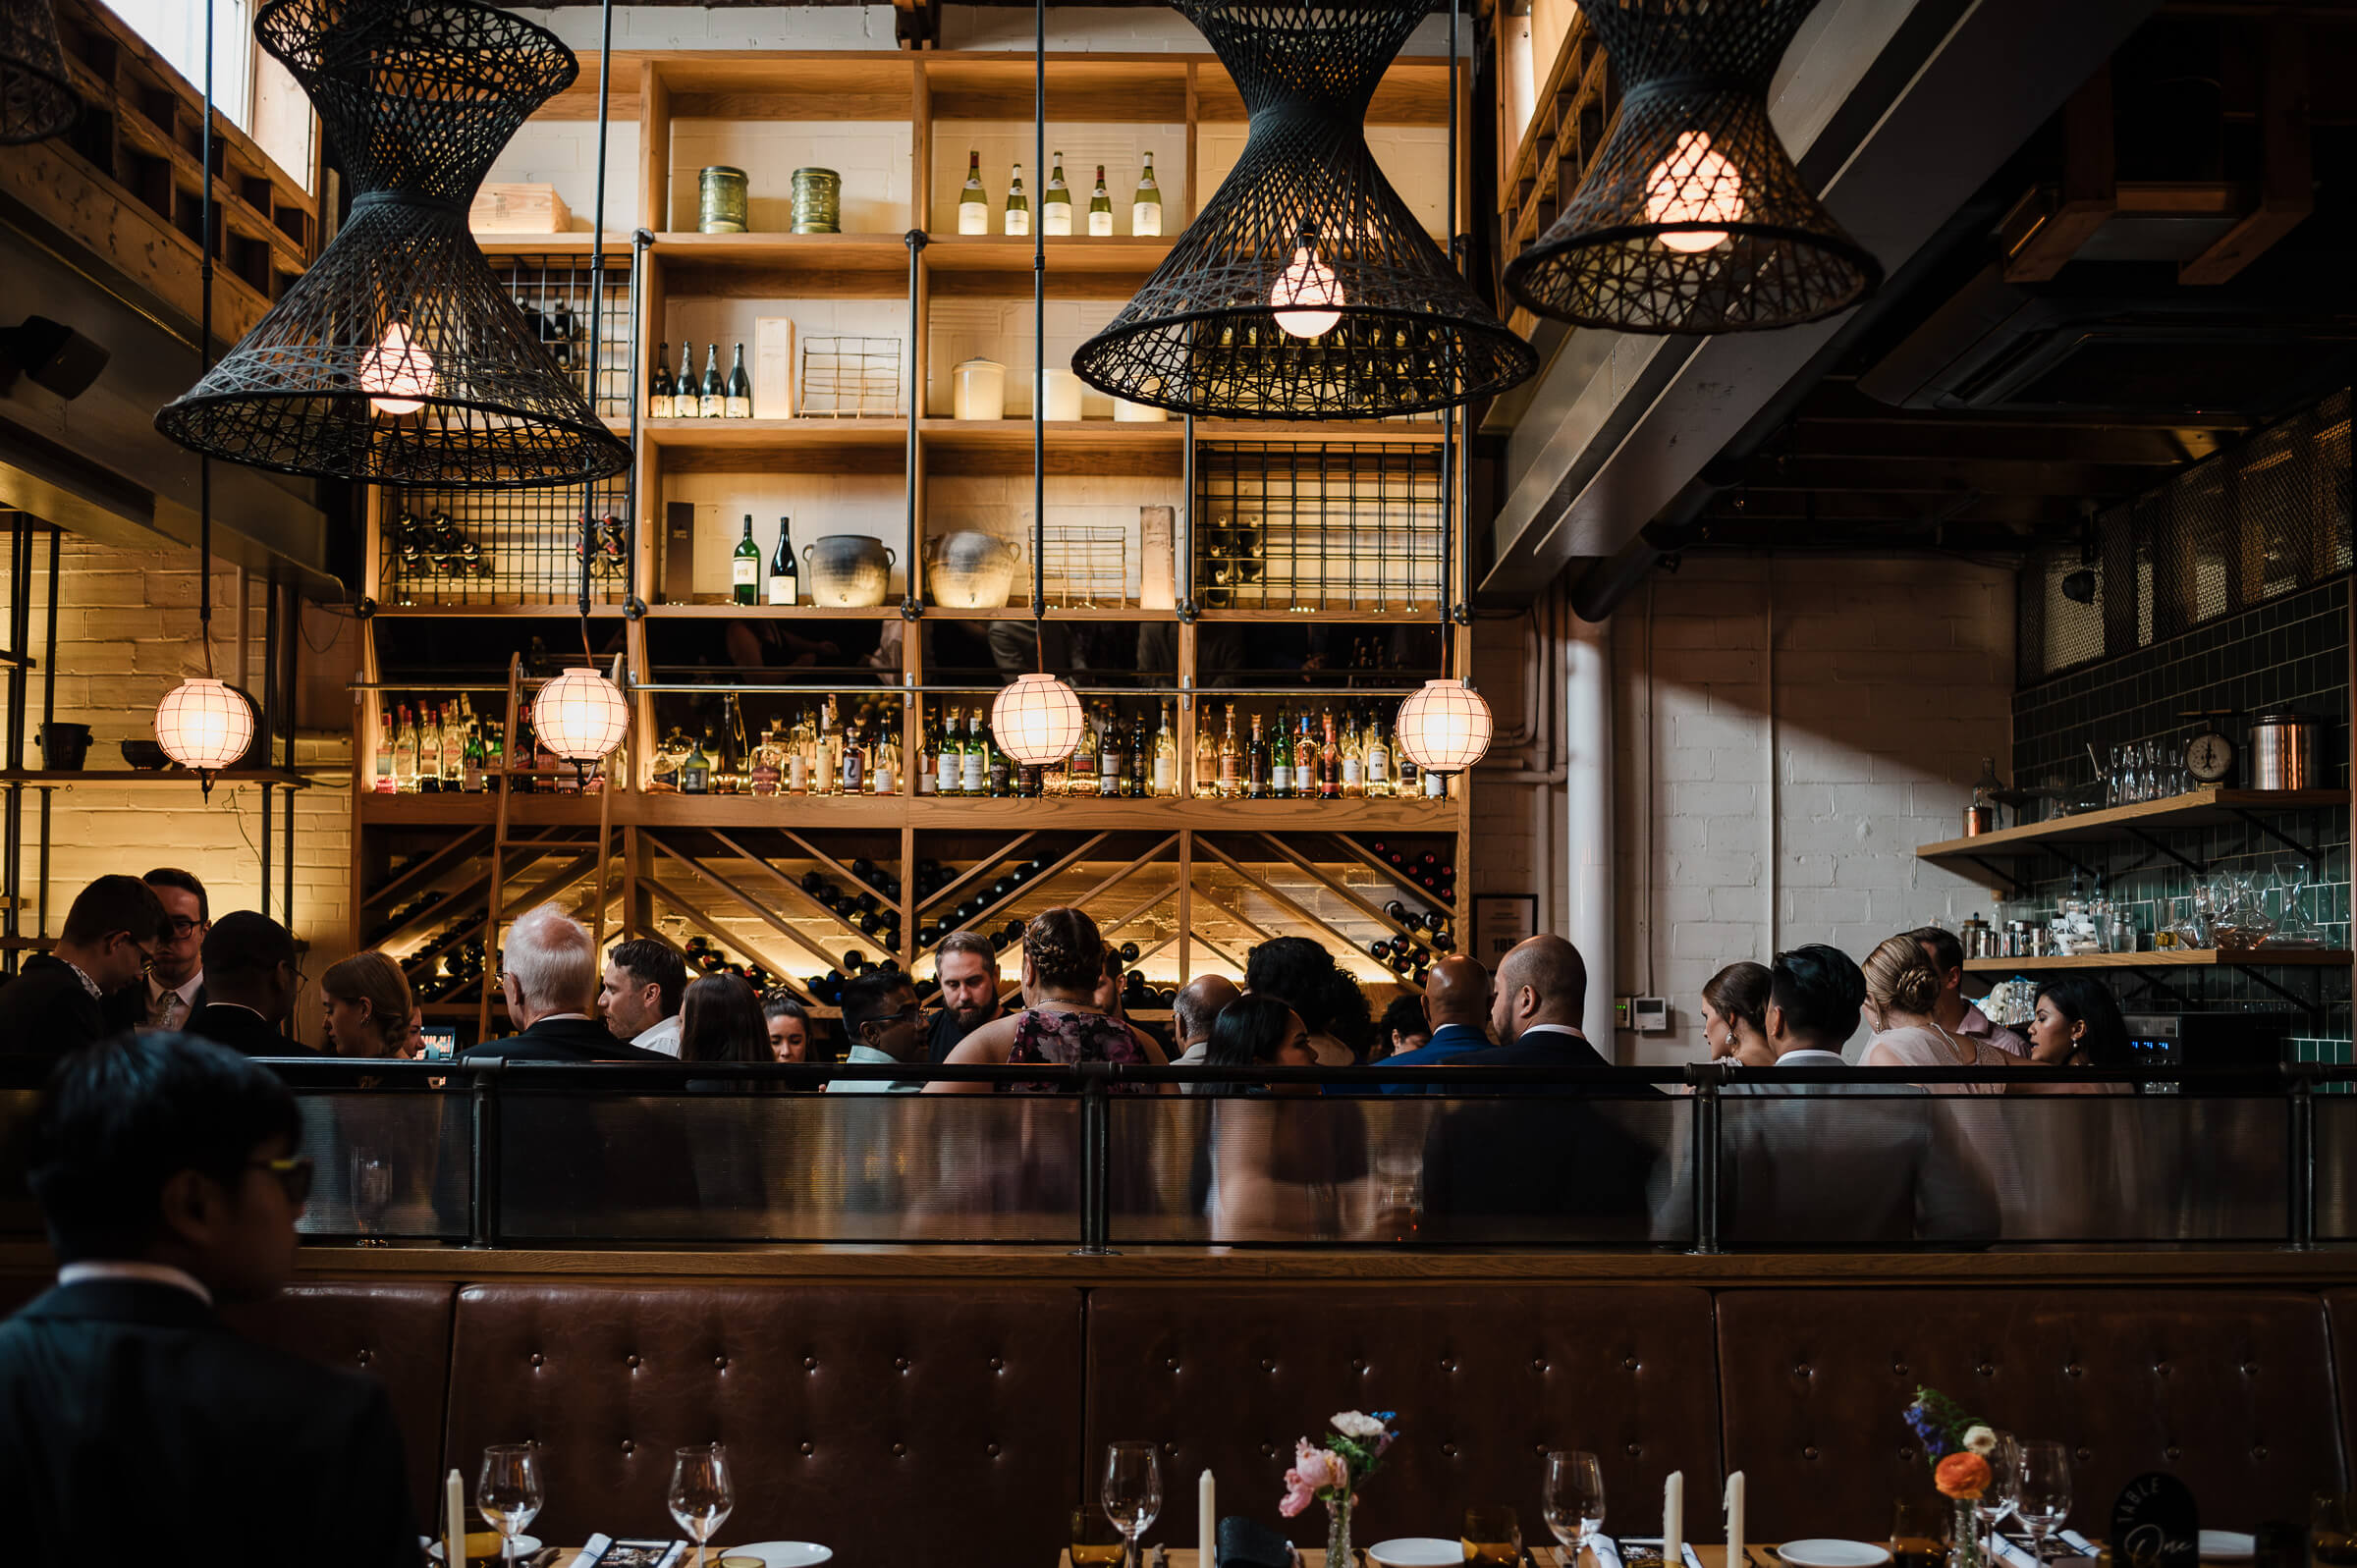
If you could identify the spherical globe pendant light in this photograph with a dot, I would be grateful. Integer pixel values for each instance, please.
(204, 725)
(1036, 721)
(581, 714)
(1445, 726)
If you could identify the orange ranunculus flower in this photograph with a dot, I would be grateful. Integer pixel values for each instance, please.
(1962, 1475)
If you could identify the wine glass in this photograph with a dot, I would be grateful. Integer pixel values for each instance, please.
(702, 1492)
(507, 1492)
(2002, 1494)
(1572, 1499)
(372, 1192)
(1131, 1492)
(2042, 1490)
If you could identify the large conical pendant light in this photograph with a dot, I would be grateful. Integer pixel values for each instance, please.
(37, 100)
(397, 358)
(1305, 289)
(1693, 218)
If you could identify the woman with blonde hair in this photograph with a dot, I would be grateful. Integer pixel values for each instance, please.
(368, 1007)
(1902, 990)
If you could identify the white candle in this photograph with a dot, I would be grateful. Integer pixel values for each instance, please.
(1207, 1523)
(1734, 1520)
(1674, 1518)
(454, 1521)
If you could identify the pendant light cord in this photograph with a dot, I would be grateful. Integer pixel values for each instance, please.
(1448, 431)
(204, 359)
(597, 304)
(1039, 337)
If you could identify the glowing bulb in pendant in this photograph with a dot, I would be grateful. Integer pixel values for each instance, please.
(1695, 184)
(397, 374)
(1308, 282)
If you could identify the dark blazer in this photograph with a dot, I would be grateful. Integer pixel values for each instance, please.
(128, 1009)
(564, 1040)
(45, 1011)
(121, 1397)
(1538, 1048)
(240, 1029)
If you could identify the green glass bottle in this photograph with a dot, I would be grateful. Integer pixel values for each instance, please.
(745, 568)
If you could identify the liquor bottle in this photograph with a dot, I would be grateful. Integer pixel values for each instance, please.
(1305, 760)
(658, 386)
(1256, 764)
(684, 401)
(1379, 762)
(429, 749)
(713, 404)
(1145, 209)
(739, 404)
(1100, 209)
(884, 767)
(1113, 757)
(454, 746)
(1019, 206)
(663, 767)
(974, 203)
(1056, 206)
(1407, 785)
(1139, 783)
(1166, 758)
(744, 567)
(1330, 762)
(1354, 761)
(785, 581)
(928, 758)
(1080, 775)
(852, 780)
(696, 774)
(973, 776)
(798, 743)
(1280, 757)
(949, 760)
(1231, 761)
(769, 763)
(1207, 764)
(826, 762)
(1436, 785)
(998, 769)
(495, 754)
(384, 752)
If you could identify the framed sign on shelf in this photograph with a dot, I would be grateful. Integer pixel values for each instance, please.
(1500, 920)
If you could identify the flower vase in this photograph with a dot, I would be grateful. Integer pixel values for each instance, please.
(1338, 1535)
(1963, 1534)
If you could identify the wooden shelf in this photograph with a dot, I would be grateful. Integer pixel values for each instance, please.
(112, 776)
(824, 252)
(2198, 808)
(890, 611)
(802, 812)
(618, 245)
(2173, 958)
(1130, 254)
(479, 612)
(1061, 435)
(719, 435)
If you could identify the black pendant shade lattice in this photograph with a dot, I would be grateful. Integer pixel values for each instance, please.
(37, 100)
(1305, 289)
(1693, 218)
(398, 359)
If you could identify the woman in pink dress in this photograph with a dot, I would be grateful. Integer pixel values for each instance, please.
(1902, 991)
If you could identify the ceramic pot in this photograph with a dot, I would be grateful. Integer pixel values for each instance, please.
(970, 569)
(850, 570)
(64, 746)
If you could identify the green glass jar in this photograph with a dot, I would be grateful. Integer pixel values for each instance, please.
(817, 201)
(721, 202)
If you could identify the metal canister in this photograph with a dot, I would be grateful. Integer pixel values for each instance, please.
(2284, 750)
(817, 201)
(1979, 820)
(721, 203)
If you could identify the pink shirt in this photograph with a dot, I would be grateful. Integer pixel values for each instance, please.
(1976, 1024)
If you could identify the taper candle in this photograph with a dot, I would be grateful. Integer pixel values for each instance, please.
(1674, 1518)
(454, 1521)
(1734, 1520)
(1207, 1524)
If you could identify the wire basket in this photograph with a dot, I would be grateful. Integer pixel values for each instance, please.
(468, 547)
(849, 378)
(554, 292)
(1087, 566)
(1333, 526)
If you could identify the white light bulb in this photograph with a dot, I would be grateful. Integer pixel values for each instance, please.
(1695, 184)
(1308, 282)
(398, 367)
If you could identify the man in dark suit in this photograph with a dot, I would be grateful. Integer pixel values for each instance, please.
(249, 983)
(1535, 1008)
(168, 1179)
(57, 1002)
(549, 973)
(173, 986)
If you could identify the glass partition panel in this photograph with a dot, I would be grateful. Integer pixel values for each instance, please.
(2336, 1166)
(388, 1163)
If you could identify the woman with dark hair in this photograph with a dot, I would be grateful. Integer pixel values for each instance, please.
(1287, 1163)
(1735, 1016)
(1261, 1032)
(788, 1024)
(2077, 1025)
(1061, 1022)
(1303, 975)
(1403, 1029)
(720, 1020)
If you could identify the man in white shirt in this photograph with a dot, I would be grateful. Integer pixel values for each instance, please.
(644, 980)
(1952, 1012)
(879, 1019)
(173, 989)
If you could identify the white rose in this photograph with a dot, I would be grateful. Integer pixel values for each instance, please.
(1980, 1440)
(1354, 1424)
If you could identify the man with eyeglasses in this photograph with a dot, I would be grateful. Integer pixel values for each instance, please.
(250, 980)
(879, 1020)
(173, 988)
(57, 1002)
(167, 1173)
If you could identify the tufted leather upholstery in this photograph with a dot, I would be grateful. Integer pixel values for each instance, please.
(1485, 1381)
(893, 1417)
(394, 1330)
(2231, 1391)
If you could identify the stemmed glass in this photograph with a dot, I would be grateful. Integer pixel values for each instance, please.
(372, 1193)
(2003, 1492)
(702, 1492)
(507, 1492)
(1131, 1492)
(2043, 1494)
(1572, 1499)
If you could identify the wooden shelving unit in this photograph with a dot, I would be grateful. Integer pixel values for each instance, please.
(2207, 807)
(1192, 881)
(2261, 958)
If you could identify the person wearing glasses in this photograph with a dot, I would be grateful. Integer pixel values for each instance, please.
(251, 979)
(167, 1171)
(58, 1001)
(879, 1019)
(173, 988)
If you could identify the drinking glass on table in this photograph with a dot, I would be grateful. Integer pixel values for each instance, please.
(702, 1492)
(2042, 1494)
(1132, 1492)
(1492, 1536)
(1095, 1542)
(372, 1192)
(2332, 1529)
(507, 1492)
(1572, 1498)
(2004, 1486)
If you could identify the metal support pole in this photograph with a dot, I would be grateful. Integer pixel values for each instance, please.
(1096, 1160)
(1706, 1078)
(482, 1208)
(2301, 1164)
(912, 608)
(264, 850)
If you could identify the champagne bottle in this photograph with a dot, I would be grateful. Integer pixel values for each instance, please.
(658, 386)
(1379, 762)
(1100, 209)
(744, 567)
(1056, 206)
(1145, 209)
(974, 203)
(1166, 759)
(785, 581)
(1354, 761)
(1231, 761)
(739, 401)
(713, 404)
(1019, 206)
(683, 402)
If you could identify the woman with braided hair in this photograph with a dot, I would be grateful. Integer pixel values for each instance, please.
(1061, 1022)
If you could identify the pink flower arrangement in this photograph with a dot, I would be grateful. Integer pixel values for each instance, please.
(1315, 1470)
(1331, 1475)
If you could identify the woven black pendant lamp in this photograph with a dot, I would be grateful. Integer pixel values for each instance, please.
(398, 359)
(37, 100)
(1693, 218)
(1305, 289)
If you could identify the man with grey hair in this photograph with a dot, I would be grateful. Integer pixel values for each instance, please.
(1198, 1005)
(549, 974)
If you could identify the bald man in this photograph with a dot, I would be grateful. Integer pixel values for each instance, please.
(1535, 1009)
(1457, 1005)
(1192, 1010)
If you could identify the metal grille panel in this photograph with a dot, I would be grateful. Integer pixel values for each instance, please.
(1304, 527)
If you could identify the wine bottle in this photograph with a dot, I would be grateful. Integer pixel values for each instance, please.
(1056, 206)
(998, 769)
(1166, 758)
(682, 389)
(949, 760)
(1305, 760)
(1280, 758)
(1019, 206)
(1256, 764)
(744, 567)
(974, 203)
(1231, 761)
(1112, 759)
(1100, 209)
(974, 777)
(738, 402)
(785, 581)
(658, 386)
(713, 404)
(1145, 209)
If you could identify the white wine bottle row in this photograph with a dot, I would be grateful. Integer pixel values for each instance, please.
(1056, 206)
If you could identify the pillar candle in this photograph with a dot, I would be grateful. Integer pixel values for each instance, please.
(1207, 1524)
(1674, 1518)
(454, 1521)
(1734, 1520)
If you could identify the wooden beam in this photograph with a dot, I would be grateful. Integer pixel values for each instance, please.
(986, 863)
(2090, 187)
(2288, 188)
(751, 905)
(789, 885)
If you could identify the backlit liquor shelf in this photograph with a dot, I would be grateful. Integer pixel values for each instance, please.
(638, 808)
